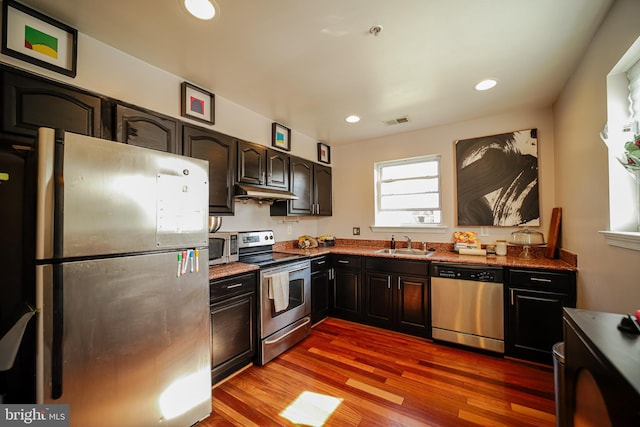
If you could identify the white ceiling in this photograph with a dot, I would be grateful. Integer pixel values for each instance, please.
(309, 63)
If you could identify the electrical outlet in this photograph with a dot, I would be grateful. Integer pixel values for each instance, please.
(484, 231)
(289, 229)
(356, 231)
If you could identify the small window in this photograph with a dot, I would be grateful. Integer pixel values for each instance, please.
(408, 192)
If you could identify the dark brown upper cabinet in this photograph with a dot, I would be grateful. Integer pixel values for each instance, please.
(219, 150)
(277, 169)
(322, 190)
(29, 102)
(144, 128)
(259, 165)
(311, 183)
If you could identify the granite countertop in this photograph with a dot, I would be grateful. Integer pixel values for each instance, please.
(443, 253)
(231, 269)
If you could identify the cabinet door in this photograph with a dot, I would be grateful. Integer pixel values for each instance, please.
(320, 281)
(277, 169)
(233, 335)
(301, 175)
(251, 163)
(146, 129)
(219, 150)
(346, 293)
(29, 103)
(413, 314)
(322, 190)
(378, 306)
(535, 323)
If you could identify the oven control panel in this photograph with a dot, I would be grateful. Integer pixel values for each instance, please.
(247, 239)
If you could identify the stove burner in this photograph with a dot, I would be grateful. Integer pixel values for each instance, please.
(269, 258)
(255, 247)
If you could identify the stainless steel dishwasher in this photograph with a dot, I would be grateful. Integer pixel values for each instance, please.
(467, 305)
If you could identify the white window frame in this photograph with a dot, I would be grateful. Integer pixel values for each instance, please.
(414, 223)
(622, 188)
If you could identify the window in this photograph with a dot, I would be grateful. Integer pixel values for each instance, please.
(408, 192)
(623, 115)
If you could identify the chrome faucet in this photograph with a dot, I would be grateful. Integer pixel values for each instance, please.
(408, 242)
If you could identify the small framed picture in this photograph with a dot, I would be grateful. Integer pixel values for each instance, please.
(197, 104)
(35, 38)
(324, 153)
(280, 136)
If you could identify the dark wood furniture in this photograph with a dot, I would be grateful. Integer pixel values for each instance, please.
(601, 371)
(321, 276)
(219, 150)
(347, 287)
(534, 300)
(262, 166)
(233, 324)
(396, 295)
(30, 102)
(311, 183)
(145, 128)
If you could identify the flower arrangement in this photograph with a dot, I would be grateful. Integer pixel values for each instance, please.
(631, 157)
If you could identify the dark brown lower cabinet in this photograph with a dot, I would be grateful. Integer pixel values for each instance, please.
(321, 275)
(396, 295)
(534, 301)
(233, 325)
(347, 287)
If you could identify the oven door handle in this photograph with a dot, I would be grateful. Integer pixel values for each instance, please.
(298, 269)
(303, 324)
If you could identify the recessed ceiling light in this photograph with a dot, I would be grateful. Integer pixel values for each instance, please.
(486, 84)
(352, 119)
(201, 9)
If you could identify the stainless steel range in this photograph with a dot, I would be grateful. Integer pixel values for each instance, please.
(284, 293)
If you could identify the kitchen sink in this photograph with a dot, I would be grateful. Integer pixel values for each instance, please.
(406, 251)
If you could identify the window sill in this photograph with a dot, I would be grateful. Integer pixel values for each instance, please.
(439, 229)
(623, 239)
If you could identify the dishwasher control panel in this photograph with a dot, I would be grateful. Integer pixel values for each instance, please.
(467, 272)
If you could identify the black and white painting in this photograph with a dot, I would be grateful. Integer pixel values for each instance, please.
(497, 180)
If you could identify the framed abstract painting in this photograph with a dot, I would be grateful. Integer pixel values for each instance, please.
(497, 180)
(280, 136)
(32, 37)
(324, 153)
(197, 104)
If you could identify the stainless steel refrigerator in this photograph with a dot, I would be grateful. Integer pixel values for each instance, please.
(122, 283)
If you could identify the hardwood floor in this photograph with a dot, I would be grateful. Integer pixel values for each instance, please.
(386, 379)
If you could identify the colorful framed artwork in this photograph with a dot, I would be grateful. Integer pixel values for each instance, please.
(32, 37)
(324, 153)
(280, 136)
(497, 180)
(197, 104)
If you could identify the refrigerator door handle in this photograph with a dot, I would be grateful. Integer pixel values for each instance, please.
(57, 329)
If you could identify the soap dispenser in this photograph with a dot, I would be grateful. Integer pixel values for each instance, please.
(392, 245)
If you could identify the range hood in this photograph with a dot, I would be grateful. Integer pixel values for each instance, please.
(261, 195)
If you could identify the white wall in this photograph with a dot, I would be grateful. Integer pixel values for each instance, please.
(353, 173)
(608, 276)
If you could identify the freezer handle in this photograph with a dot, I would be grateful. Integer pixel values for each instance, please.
(57, 328)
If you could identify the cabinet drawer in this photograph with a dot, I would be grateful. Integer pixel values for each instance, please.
(348, 261)
(320, 264)
(236, 285)
(416, 268)
(542, 279)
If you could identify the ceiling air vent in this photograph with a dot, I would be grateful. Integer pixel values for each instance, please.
(397, 121)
